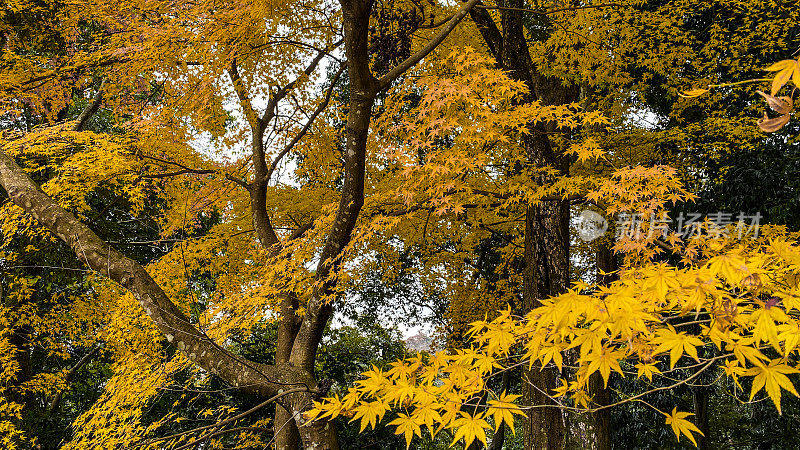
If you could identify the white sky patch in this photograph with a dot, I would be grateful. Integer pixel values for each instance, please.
(643, 118)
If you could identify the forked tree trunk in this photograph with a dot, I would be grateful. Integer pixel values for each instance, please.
(364, 88)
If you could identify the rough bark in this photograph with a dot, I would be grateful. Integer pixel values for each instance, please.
(546, 270)
(600, 421)
(606, 263)
(287, 435)
(546, 273)
(701, 414)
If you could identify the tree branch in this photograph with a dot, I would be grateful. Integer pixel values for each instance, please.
(251, 377)
(176, 173)
(488, 29)
(59, 72)
(308, 124)
(226, 421)
(187, 169)
(82, 362)
(281, 93)
(244, 97)
(90, 109)
(401, 68)
(552, 11)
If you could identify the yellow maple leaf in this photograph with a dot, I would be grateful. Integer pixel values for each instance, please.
(428, 414)
(370, 413)
(647, 370)
(731, 266)
(786, 70)
(677, 420)
(587, 150)
(676, 343)
(772, 378)
(766, 328)
(400, 391)
(376, 380)
(692, 93)
(470, 428)
(604, 361)
(408, 426)
(503, 410)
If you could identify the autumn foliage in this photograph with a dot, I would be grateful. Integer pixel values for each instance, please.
(196, 194)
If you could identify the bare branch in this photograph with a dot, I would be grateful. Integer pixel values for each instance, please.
(307, 126)
(401, 68)
(299, 231)
(91, 109)
(238, 181)
(272, 106)
(82, 362)
(186, 170)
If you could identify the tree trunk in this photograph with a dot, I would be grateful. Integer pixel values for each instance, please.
(546, 270)
(598, 435)
(545, 274)
(500, 435)
(287, 435)
(600, 421)
(701, 399)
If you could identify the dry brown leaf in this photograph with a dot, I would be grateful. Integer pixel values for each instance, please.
(781, 105)
(771, 125)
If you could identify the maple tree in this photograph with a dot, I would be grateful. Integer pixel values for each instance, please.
(397, 383)
(295, 149)
(298, 336)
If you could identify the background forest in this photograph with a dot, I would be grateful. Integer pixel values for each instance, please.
(222, 221)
